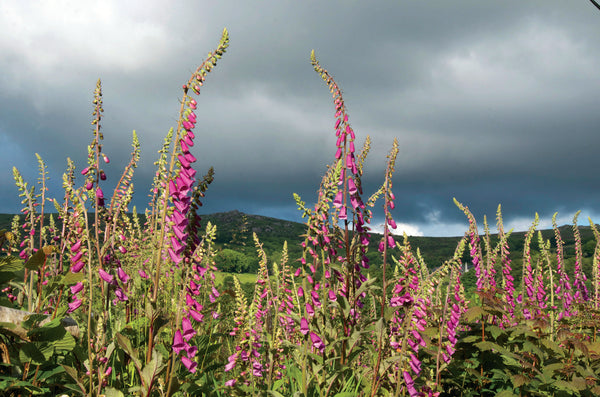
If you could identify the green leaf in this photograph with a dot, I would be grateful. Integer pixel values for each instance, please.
(474, 313)
(38, 258)
(506, 393)
(125, 344)
(518, 380)
(494, 330)
(11, 264)
(112, 392)
(30, 353)
(152, 369)
(72, 278)
(578, 383)
(72, 372)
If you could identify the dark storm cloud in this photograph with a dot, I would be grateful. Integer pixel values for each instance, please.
(492, 102)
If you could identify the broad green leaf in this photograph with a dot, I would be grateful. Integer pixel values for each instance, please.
(11, 264)
(474, 313)
(125, 344)
(578, 383)
(72, 278)
(518, 380)
(152, 368)
(30, 353)
(72, 372)
(43, 375)
(112, 392)
(494, 330)
(37, 259)
(506, 393)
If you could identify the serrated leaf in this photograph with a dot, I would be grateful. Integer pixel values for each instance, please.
(36, 261)
(72, 372)
(30, 353)
(518, 380)
(578, 383)
(470, 339)
(506, 393)
(152, 368)
(43, 375)
(474, 313)
(112, 392)
(494, 330)
(72, 278)
(11, 264)
(125, 344)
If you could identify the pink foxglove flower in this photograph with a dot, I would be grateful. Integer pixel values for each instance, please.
(122, 275)
(77, 288)
(74, 305)
(189, 364)
(105, 276)
(317, 342)
(178, 343)
(304, 326)
(187, 330)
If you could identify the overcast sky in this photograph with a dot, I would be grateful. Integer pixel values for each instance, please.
(493, 102)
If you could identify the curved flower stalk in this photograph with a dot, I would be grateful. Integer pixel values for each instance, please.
(27, 245)
(386, 242)
(527, 297)
(508, 286)
(159, 185)
(490, 257)
(483, 282)
(409, 319)
(596, 265)
(563, 289)
(455, 306)
(581, 291)
(253, 330)
(348, 197)
(181, 191)
(388, 239)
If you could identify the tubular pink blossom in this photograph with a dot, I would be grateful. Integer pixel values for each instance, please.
(76, 288)
(188, 330)
(76, 267)
(351, 186)
(76, 246)
(74, 305)
(304, 326)
(337, 201)
(105, 276)
(317, 342)
(338, 153)
(178, 343)
(197, 316)
(76, 257)
(122, 275)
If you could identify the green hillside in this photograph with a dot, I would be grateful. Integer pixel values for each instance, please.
(237, 251)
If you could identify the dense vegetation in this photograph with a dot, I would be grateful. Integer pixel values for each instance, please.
(99, 300)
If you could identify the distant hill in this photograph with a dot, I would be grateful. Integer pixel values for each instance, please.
(234, 232)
